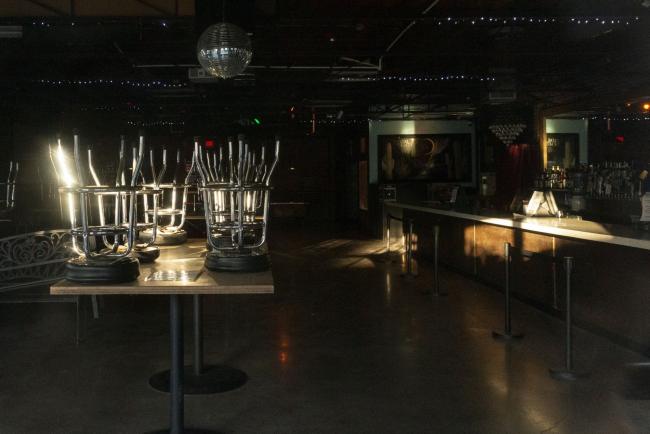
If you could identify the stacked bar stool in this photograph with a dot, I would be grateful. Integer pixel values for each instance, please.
(147, 202)
(236, 200)
(114, 264)
(236, 197)
(170, 213)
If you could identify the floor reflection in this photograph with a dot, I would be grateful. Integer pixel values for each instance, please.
(345, 345)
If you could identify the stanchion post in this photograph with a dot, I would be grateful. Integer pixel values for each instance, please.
(568, 265)
(388, 233)
(508, 319)
(409, 249)
(436, 249)
(507, 333)
(554, 269)
(568, 373)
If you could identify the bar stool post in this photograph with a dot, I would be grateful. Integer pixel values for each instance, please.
(507, 333)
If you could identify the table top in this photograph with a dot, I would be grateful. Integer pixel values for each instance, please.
(178, 270)
(568, 228)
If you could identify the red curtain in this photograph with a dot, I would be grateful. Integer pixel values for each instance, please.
(516, 171)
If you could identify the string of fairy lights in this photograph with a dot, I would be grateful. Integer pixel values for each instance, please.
(512, 20)
(111, 83)
(359, 121)
(154, 84)
(419, 78)
(156, 123)
(538, 20)
(620, 118)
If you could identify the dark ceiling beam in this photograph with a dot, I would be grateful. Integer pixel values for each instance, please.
(160, 10)
(48, 8)
(401, 34)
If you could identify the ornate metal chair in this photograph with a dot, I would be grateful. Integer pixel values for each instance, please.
(30, 262)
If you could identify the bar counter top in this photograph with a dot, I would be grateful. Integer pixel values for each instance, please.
(561, 227)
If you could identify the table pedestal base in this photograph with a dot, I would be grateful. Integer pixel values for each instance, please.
(213, 379)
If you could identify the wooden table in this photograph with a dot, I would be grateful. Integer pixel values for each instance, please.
(182, 267)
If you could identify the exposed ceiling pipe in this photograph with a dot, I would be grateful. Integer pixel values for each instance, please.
(362, 63)
(403, 32)
(314, 67)
(274, 67)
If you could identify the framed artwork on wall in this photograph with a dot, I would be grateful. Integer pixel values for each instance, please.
(444, 158)
(563, 149)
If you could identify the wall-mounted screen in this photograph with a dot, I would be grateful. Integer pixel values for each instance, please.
(426, 157)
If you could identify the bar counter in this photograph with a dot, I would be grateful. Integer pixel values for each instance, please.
(611, 289)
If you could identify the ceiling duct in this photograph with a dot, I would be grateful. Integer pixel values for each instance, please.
(504, 87)
(11, 32)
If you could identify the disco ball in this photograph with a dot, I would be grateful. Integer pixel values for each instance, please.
(224, 50)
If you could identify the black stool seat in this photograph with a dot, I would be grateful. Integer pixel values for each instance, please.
(164, 238)
(237, 262)
(147, 255)
(109, 270)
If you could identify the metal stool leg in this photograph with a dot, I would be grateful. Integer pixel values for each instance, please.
(567, 373)
(507, 333)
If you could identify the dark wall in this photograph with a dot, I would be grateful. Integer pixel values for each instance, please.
(316, 169)
(320, 170)
(604, 146)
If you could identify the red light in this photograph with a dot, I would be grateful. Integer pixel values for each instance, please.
(620, 139)
(209, 144)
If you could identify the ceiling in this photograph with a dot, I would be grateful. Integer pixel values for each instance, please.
(329, 57)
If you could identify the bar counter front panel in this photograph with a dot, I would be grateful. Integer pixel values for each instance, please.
(611, 278)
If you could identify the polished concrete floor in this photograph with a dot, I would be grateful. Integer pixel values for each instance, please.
(345, 345)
